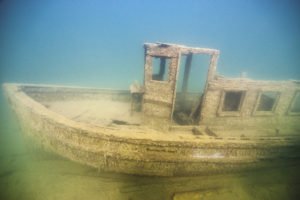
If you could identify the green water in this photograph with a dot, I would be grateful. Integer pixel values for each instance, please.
(29, 174)
(99, 44)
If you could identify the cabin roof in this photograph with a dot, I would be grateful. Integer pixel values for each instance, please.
(182, 48)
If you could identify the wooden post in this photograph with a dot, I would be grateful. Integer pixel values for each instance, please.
(162, 68)
(187, 70)
(212, 67)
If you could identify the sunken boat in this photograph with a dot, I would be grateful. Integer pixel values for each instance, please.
(155, 129)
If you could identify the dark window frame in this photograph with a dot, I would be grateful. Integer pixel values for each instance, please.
(293, 101)
(163, 67)
(238, 111)
(270, 112)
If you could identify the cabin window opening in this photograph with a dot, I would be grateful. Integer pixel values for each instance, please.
(295, 107)
(232, 100)
(191, 78)
(267, 101)
(160, 68)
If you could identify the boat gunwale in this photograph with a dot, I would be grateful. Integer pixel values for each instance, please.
(15, 91)
(108, 150)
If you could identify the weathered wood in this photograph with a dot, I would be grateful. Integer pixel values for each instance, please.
(183, 49)
(186, 75)
(137, 149)
(212, 67)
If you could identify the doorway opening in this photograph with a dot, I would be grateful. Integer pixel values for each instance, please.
(190, 87)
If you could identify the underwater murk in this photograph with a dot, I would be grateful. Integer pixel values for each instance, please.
(216, 119)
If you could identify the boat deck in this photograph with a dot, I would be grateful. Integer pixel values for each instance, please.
(107, 113)
(112, 108)
(97, 112)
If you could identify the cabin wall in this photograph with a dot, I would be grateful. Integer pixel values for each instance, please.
(159, 94)
(248, 116)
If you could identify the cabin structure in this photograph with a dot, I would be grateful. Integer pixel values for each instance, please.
(223, 103)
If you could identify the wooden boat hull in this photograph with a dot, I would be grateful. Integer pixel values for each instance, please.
(138, 149)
